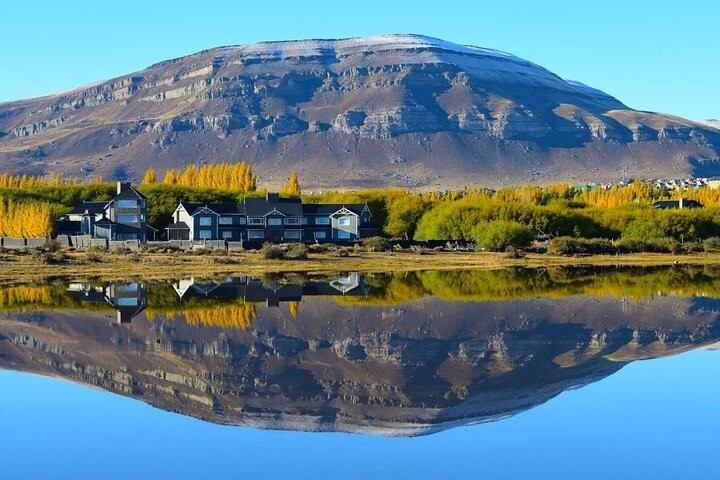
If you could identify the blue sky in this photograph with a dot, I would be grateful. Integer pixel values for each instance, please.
(653, 55)
(654, 419)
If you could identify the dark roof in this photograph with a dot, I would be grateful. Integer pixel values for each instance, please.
(68, 227)
(219, 208)
(330, 208)
(258, 207)
(676, 204)
(178, 226)
(92, 207)
(128, 191)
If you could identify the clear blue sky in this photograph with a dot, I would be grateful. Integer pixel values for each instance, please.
(655, 419)
(652, 54)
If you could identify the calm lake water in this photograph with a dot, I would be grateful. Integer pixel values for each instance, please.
(559, 373)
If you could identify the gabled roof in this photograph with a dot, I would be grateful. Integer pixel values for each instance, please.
(219, 208)
(330, 208)
(127, 191)
(178, 226)
(258, 207)
(92, 207)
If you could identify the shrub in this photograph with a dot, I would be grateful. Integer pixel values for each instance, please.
(296, 251)
(377, 244)
(500, 234)
(52, 245)
(711, 245)
(272, 252)
(659, 245)
(93, 257)
(574, 246)
(52, 258)
(513, 253)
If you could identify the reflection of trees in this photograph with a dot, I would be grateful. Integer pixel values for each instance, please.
(42, 297)
(294, 307)
(222, 316)
(18, 297)
(517, 284)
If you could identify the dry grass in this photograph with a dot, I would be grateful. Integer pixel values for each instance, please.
(26, 267)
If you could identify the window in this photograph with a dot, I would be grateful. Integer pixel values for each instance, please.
(127, 218)
(292, 221)
(242, 220)
(291, 235)
(304, 220)
(257, 221)
(226, 220)
(226, 234)
(205, 221)
(343, 235)
(256, 234)
(205, 234)
(274, 221)
(320, 235)
(127, 302)
(322, 221)
(127, 204)
(344, 221)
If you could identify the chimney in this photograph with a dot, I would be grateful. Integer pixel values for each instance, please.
(122, 187)
(272, 197)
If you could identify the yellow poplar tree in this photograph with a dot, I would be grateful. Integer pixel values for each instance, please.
(149, 176)
(292, 187)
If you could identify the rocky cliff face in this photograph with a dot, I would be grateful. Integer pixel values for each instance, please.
(413, 369)
(390, 110)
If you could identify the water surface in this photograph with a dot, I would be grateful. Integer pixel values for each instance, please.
(594, 373)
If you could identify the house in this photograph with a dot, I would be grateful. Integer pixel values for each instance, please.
(128, 299)
(124, 217)
(714, 183)
(683, 203)
(254, 290)
(272, 219)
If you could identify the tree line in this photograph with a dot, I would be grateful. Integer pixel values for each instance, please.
(493, 219)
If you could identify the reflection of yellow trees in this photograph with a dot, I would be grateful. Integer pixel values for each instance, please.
(387, 290)
(19, 297)
(294, 307)
(506, 285)
(222, 316)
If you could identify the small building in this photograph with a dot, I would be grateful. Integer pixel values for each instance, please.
(271, 219)
(680, 204)
(124, 217)
(713, 182)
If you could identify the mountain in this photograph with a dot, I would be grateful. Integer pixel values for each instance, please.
(711, 123)
(410, 369)
(389, 110)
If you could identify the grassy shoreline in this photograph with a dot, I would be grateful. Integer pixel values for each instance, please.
(26, 267)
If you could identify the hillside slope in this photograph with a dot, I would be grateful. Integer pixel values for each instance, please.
(391, 110)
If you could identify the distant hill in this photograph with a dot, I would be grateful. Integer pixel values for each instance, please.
(403, 110)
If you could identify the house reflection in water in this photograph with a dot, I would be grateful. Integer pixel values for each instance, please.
(128, 299)
(254, 290)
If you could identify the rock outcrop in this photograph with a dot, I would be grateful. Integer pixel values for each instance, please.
(354, 112)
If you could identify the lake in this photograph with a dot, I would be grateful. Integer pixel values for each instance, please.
(556, 373)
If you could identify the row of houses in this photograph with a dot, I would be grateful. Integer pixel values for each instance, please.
(130, 299)
(271, 219)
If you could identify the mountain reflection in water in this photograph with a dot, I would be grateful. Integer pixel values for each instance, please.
(396, 354)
